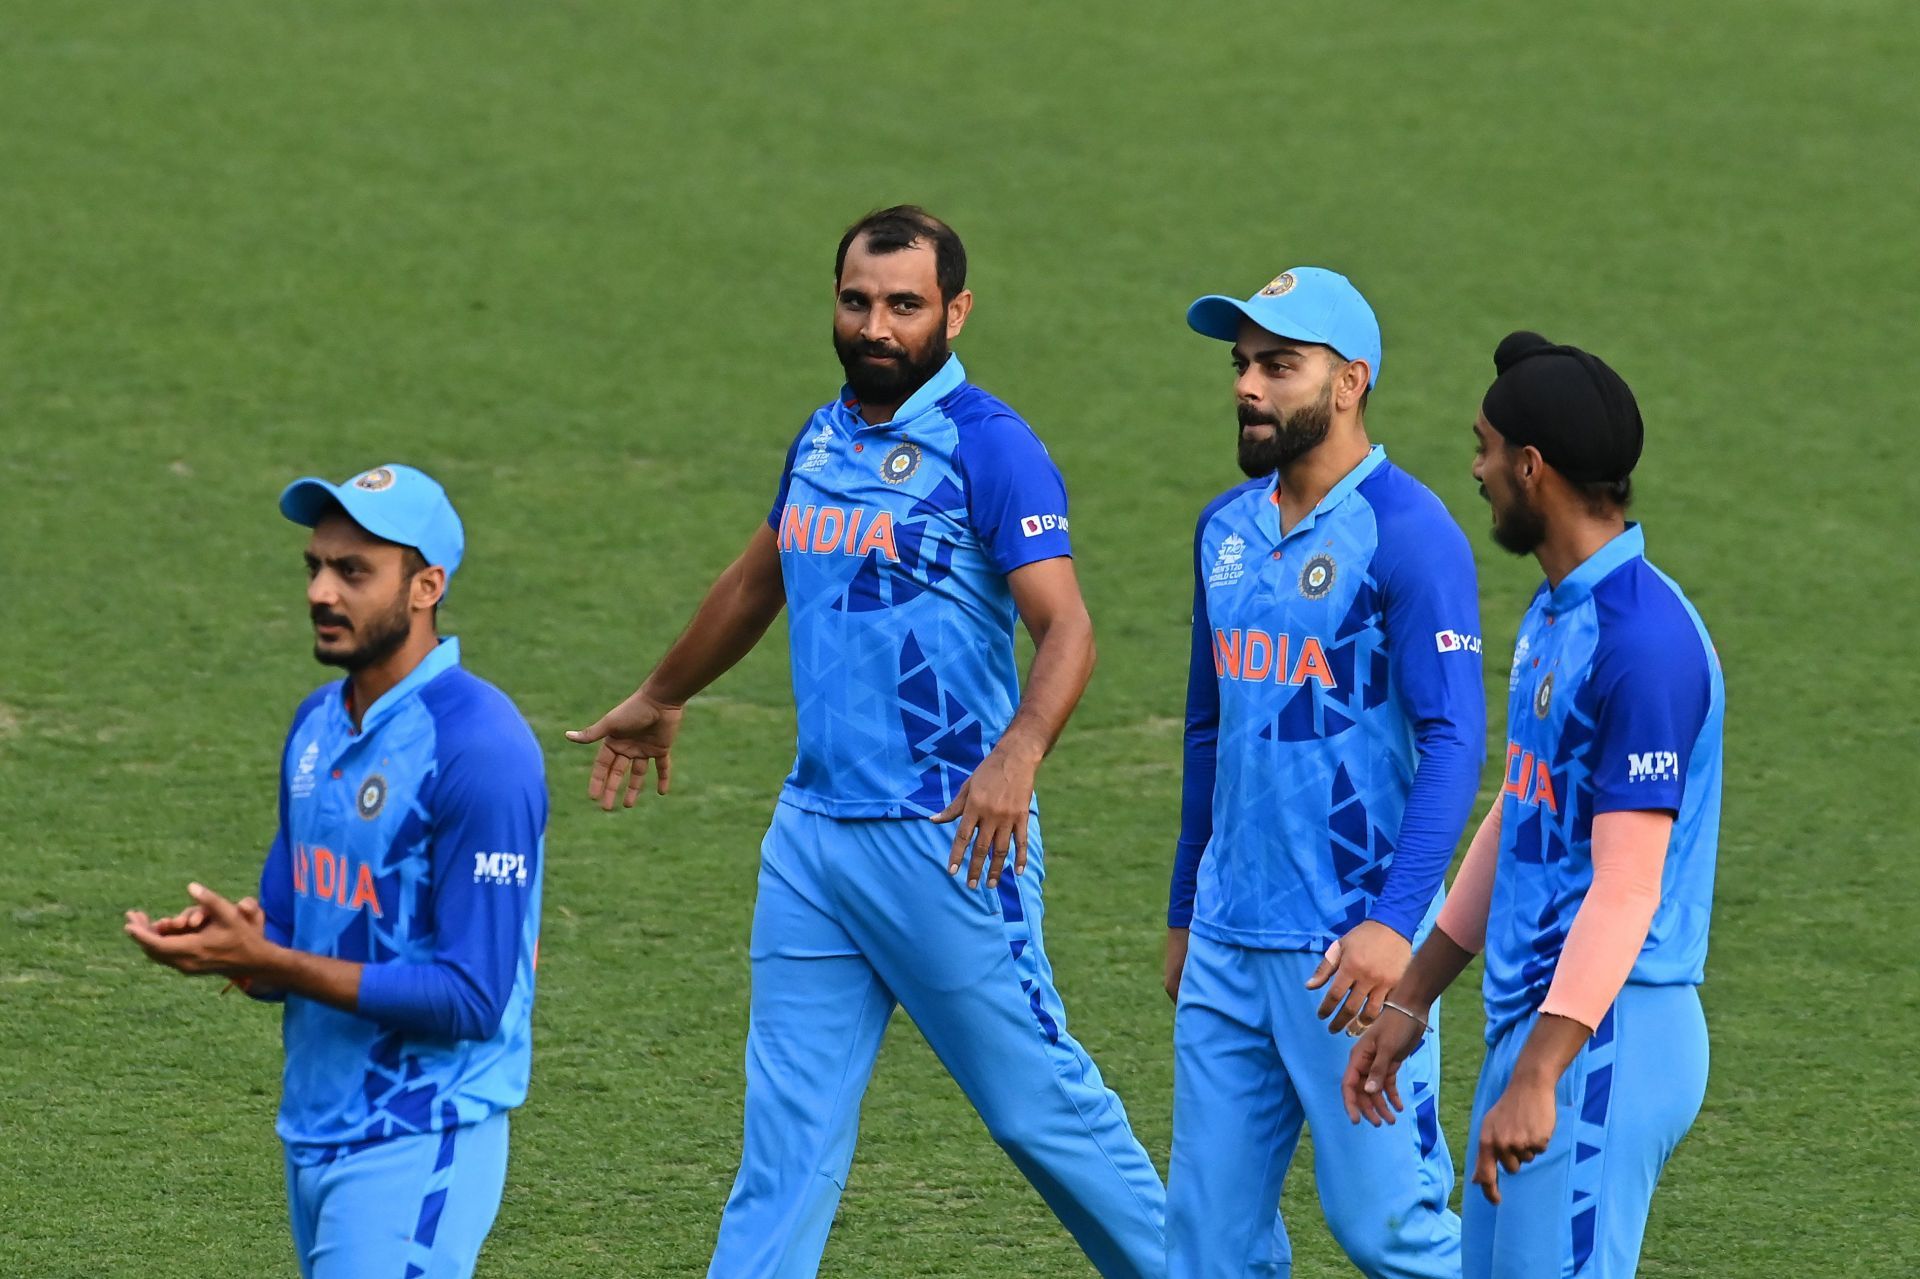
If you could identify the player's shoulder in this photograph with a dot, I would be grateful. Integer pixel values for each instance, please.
(475, 724)
(1245, 493)
(312, 703)
(984, 420)
(1411, 520)
(1642, 617)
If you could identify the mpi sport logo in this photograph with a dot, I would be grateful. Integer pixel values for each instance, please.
(505, 869)
(1653, 766)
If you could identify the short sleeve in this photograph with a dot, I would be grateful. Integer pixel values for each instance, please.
(1654, 689)
(1016, 498)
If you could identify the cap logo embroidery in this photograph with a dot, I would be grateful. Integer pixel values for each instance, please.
(375, 480)
(1281, 283)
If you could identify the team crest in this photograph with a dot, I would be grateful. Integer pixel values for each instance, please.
(1543, 696)
(375, 480)
(1278, 285)
(900, 464)
(1316, 579)
(372, 796)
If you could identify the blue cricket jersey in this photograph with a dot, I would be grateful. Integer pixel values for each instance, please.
(895, 546)
(1614, 705)
(1336, 719)
(413, 846)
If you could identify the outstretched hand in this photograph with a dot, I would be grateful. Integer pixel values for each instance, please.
(633, 734)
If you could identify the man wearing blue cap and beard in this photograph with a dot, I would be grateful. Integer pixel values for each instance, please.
(1335, 733)
(399, 910)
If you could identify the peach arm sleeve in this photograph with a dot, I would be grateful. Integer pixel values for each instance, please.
(1463, 917)
(1629, 854)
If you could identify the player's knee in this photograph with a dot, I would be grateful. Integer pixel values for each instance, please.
(1016, 1130)
(1369, 1239)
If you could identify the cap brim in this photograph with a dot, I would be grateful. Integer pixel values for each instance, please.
(1216, 316)
(306, 500)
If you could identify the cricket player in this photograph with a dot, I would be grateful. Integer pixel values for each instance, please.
(916, 517)
(399, 910)
(1590, 882)
(1335, 732)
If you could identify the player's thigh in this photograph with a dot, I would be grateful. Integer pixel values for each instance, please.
(424, 1202)
(1543, 1224)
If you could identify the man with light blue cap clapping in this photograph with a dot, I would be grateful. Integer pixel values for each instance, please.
(1335, 731)
(399, 910)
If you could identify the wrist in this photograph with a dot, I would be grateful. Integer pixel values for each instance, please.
(1023, 747)
(652, 692)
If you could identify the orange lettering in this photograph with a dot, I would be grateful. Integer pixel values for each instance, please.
(322, 872)
(300, 869)
(364, 891)
(1543, 787)
(1226, 653)
(795, 525)
(1515, 784)
(880, 535)
(1264, 642)
(1313, 664)
(853, 529)
(823, 541)
(1282, 643)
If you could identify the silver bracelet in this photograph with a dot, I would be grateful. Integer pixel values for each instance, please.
(1407, 1013)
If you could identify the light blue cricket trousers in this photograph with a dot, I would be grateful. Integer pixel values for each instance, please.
(1252, 1064)
(1623, 1105)
(852, 917)
(404, 1208)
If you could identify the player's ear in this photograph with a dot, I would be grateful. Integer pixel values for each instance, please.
(428, 586)
(1349, 384)
(1529, 467)
(957, 311)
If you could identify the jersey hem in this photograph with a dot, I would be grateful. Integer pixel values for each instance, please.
(1260, 938)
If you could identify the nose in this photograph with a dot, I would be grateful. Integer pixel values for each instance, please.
(321, 592)
(1245, 388)
(876, 327)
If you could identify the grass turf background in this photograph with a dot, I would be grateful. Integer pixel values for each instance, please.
(575, 259)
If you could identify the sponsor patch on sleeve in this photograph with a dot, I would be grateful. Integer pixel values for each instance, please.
(1456, 642)
(1035, 525)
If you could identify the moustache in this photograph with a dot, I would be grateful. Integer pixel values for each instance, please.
(326, 617)
(880, 349)
(1250, 416)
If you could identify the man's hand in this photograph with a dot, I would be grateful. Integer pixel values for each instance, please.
(1176, 961)
(1360, 969)
(1371, 1086)
(1517, 1129)
(992, 811)
(638, 730)
(212, 936)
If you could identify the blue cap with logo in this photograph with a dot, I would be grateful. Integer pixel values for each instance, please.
(1306, 303)
(394, 502)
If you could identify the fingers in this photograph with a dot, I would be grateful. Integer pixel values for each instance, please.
(1485, 1175)
(636, 779)
(604, 764)
(1020, 846)
(1329, 965)
(592, 733)
(984, 838)
(962, 836)
(608, 781)
(1353, 1082)
(1354, 1011)
(138, 918)
(1002, 844)
(663, 773)
(953, 810)
(1336, 994)
(250, 910)
(216, 906)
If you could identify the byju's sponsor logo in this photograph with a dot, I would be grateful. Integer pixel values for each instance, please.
(1456, 642)
(1652, 766)
(506, 869)
(1035, 525)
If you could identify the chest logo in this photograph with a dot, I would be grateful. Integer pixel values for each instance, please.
(374, 481)
(371, 797)
(1316, 577)
(821, 442)
(900, 463)
(1543, 696)
(303, 778)
(1229, 564)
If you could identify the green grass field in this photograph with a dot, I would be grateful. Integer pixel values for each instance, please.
(574, 258)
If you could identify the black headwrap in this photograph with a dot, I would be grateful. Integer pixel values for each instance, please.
(1568, 404)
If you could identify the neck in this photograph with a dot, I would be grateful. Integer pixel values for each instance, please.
(370, 683)
(879, 414)
(1572, 541)
(1306, 480)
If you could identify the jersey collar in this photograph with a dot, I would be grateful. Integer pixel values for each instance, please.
(1575, 587)
(1375, 458)
(937, 388)
(444, 657)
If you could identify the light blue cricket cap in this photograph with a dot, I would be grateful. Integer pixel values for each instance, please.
(1307, 304)
(395, 502)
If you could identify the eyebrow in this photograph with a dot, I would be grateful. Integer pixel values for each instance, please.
(1266, 353)
(849, 291)
(336, 561)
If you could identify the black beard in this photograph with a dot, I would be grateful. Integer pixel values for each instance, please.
(1294, 436)
(384, 638)
(873, 384)
(1519, 528)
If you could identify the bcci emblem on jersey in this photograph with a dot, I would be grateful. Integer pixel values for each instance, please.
(372, 797)
(1543, 696)
(1316, 579)
(900, 464)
